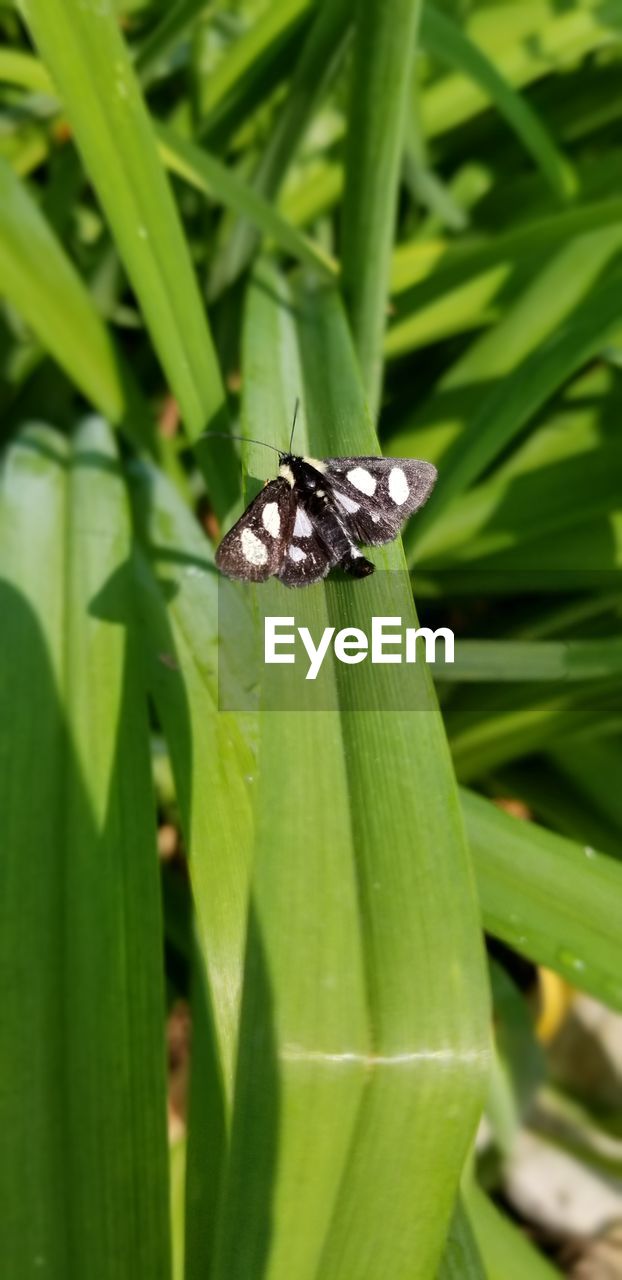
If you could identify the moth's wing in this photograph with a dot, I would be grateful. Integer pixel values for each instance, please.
(307, 557)
(374, 496)
(254, 548)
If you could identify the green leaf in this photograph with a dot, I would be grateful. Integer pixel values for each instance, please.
(207, 174)
(519, 1067)
(461, 1259)
(494, 661)
(83, 50)
(548, 305)
(448, 43)
(44, 287)
(591, 769)
(564, 473)
(178, 1173)
(491, 727)
(83, 1169)
(360, 895)
(525, 42)
(513, 400)
(24, 70)
(568, 811)
(442, 287)
(549, 898)
(314, 71)
(506, 1251)
(384, 50)
(249, 70)
(449, 261)
(212, 760)
(213, 763)
(162, 37)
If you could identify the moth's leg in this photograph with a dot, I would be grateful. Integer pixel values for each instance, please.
(354, 563)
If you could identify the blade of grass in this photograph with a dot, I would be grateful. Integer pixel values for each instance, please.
(304, 202)
(359, 867)
(506, 1252)
(525, 42)
(510, 660)
(591, 770)
(177, 1178)
(25, 70)
(552, 900)
(442, 288)
(153, 47)
(211, 757)
(545, 792)
(315, 69)
(445, 40)
(214, 769)
(384, 50)
(207, 174)
(490, 727)
(82, 1183)
(417, 260)
(548, 302)
(426, 187)
(584, 556)
(249, 71)
(83, 50)
(44, 287)
(514, 399)
(563, 473)
(430, 314)
(461, 1259)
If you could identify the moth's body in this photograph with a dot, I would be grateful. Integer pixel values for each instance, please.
(310, 518)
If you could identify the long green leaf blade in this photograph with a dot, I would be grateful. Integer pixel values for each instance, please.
(319, 60)
(83, 1168)
(214, 769)
(42, 284)
(461, 1260)
(207, 174)
(383, 57)
(551, 899)
(514, 399)
(210, 753)
(448, 43)
(493, 661)
(84, 52)
(359, 852)
(506, 1251)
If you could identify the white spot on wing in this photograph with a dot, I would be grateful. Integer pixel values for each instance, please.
(347, 503)
(303, 527)
(253, 549)
(399, 488)
(363, 480)
(354, 554)
(297, 554)
(271, 519)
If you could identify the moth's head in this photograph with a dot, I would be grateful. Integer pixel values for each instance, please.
(285, 458)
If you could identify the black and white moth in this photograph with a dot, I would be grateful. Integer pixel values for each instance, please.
(310, 518)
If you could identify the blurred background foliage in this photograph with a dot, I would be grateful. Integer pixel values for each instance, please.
(409, 216)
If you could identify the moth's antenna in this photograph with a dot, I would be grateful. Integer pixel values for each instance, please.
(296, 407)
(225, 435)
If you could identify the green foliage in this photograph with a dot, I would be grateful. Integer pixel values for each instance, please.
(405, 215)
